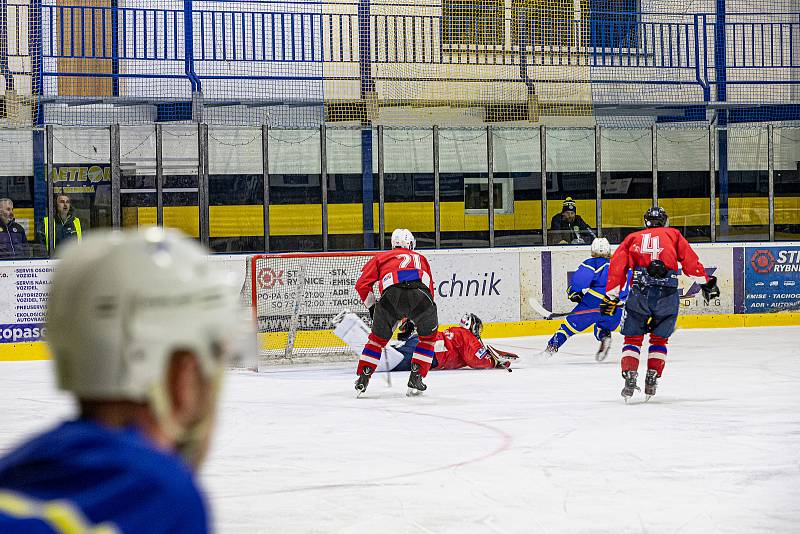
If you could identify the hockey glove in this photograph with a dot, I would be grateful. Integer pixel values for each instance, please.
(501, 359)
(710, 289)
(576, 296)
(609, 305)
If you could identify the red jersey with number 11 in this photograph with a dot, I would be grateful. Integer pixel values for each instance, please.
(642, 247)
(392, 267)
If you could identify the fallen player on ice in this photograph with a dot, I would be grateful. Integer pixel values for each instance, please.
(454, 348)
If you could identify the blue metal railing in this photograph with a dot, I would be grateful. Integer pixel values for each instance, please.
(266, 40)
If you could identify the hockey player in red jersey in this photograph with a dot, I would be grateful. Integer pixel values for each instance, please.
(455, 348)
(406, 288)
(654, 255)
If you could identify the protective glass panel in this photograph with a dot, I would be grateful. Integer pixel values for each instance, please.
(683, 180)
(81, 182)
(20, 219)
(626, 163)
(742, 189)
(518, 168)
(138, 183)
(464, 181)
(295, 198)
(352, 192)
(180, 161)
(408, 187)
(571, 186)
(787, 183)
(235, 189)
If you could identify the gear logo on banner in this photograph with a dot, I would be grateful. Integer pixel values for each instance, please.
(268, 278)
(762, 261)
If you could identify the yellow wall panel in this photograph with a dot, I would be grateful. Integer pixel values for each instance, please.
(295, 219)
(286, 220)
(625, 212)
(416, 216)
(346, 219)
(235, 221)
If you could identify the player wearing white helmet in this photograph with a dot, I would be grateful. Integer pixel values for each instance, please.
(406, 288)
(141, 327)
(587, 290)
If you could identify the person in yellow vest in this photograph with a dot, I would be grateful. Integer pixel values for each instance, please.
(68, 226)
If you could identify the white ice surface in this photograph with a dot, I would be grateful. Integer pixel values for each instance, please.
(550, 447)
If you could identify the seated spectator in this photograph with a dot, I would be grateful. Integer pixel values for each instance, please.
(13, 242)
(568, 227)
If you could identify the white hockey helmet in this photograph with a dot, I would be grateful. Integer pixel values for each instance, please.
(402, 237)
(121, 304)
(473, 323)
(601, 248)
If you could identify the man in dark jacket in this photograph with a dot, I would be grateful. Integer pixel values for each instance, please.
(568, 227)
(68, 226)
(13, 242)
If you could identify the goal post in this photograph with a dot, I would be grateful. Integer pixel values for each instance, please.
(294, 298)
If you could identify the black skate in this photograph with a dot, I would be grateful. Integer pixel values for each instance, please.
(415, 384)
(650, 384)
(630, 384)
(363, 380)
(602, 352)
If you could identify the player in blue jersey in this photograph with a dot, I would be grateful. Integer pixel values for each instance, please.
(139, 325)
(587, 289)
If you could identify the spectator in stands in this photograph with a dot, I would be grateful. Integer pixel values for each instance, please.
(13, 242)
(67, 225)
(568, 227)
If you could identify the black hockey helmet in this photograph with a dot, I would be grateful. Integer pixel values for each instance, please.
(655, 217)
(472, 322)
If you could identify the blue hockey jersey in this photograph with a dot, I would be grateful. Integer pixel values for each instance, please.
(95, 479)
(591, 277)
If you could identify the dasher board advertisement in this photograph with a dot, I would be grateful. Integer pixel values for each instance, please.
(772, 279)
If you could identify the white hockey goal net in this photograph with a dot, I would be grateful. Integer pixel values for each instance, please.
(294, 297)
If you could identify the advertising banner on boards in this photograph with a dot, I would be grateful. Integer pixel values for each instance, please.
(463, 281)
(23, 301)
(772, 279)
(718, 262)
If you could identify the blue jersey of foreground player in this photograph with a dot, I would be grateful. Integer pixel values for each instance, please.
(99, 480)
(590, 281)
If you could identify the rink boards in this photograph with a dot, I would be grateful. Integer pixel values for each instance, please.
(756, 280)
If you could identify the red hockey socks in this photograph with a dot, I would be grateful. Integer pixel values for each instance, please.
(423, 353)
(371, 355)
(630, 353)
(657, 353)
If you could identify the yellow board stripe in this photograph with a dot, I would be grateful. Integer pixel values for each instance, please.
(326, 338)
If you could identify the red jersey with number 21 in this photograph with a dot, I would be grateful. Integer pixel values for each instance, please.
(659, 243)
(392, 267)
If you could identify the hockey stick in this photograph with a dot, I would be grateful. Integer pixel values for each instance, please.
(541, 310)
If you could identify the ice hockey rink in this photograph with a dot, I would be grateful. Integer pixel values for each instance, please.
(551, 447)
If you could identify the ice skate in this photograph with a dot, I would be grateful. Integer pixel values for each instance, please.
(363, 380)
(415, 384)
(602, 352)
(630, 384)
(650, 384)
(551, 349)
